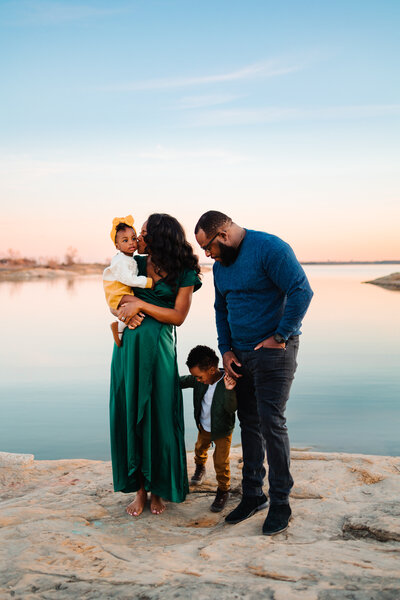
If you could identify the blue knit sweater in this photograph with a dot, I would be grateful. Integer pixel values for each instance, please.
(265, 291)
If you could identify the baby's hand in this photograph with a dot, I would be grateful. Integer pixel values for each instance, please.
(229, 382)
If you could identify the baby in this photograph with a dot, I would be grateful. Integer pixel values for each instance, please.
(122, 274)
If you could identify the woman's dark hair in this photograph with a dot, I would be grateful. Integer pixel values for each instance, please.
(202, 357)
(169, 249)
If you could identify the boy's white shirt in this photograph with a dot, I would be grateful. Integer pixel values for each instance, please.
(205, 415)
(124, 269)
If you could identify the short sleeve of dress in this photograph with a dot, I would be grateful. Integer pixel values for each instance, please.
(189, 278)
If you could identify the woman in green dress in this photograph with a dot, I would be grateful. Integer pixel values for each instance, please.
(146, 410)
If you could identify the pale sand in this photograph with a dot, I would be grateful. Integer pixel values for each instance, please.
(65, 534)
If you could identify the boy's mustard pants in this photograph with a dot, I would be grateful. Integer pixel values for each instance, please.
(220, 456)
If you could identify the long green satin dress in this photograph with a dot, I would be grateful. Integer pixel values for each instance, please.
(146, 408)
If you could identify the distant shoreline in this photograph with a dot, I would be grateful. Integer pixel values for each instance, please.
(27, 273)
(334, 263)
(10, 272)
(351, 262)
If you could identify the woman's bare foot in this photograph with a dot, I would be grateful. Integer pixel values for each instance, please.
(157, 506)
(136, 507)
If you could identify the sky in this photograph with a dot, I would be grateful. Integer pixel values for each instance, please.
(285, 116)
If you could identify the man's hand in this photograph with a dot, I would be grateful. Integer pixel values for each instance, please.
(227, 359)
(229, 382)
(270, 343)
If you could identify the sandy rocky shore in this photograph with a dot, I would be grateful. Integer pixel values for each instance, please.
(389, 282)
(23, 273)
(76, 270)
(65, 534)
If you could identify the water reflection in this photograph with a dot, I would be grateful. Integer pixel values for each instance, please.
(71, 286)
(57, 348)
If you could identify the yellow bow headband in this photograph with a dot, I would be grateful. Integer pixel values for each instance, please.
(128, 221)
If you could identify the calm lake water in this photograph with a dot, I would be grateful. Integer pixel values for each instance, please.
(57, 345)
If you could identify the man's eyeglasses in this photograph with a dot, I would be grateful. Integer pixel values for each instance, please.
(206, 248)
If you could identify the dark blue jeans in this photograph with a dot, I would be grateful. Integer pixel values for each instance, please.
(262, 393)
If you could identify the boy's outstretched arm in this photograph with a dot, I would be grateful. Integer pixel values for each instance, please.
(187, 381)
(229, 382)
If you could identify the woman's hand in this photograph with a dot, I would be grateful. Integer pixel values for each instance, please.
(136, 321)
(128, 310)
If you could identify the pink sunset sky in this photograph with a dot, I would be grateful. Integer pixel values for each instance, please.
(286, 119)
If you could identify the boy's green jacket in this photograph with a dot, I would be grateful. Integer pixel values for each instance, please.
(222, 408)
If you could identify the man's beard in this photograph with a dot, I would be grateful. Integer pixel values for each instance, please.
(227, 254)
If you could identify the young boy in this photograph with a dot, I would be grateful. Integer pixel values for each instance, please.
(214, 401)
(122, 274)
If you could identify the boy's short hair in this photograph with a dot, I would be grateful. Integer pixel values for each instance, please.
(202, 357)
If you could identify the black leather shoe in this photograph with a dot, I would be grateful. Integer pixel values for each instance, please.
(198, 475)
(247, 507)
(277, 520)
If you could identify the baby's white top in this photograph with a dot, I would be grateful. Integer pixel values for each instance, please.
(124, 269)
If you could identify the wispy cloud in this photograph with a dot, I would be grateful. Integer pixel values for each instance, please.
(356, 111)
(28, 168)
(225, 117)
(23, 170)
(191, 102)
(257, 70)
(161, 153)
(42, 12)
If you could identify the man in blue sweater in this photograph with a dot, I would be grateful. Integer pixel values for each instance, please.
(261, 297)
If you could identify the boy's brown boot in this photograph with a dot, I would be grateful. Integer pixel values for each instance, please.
(198, 475)
(219, 501)
(114, 329)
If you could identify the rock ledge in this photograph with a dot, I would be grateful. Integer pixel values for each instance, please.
(65, 535)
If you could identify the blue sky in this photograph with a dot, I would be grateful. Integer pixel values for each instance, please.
(284, 116)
